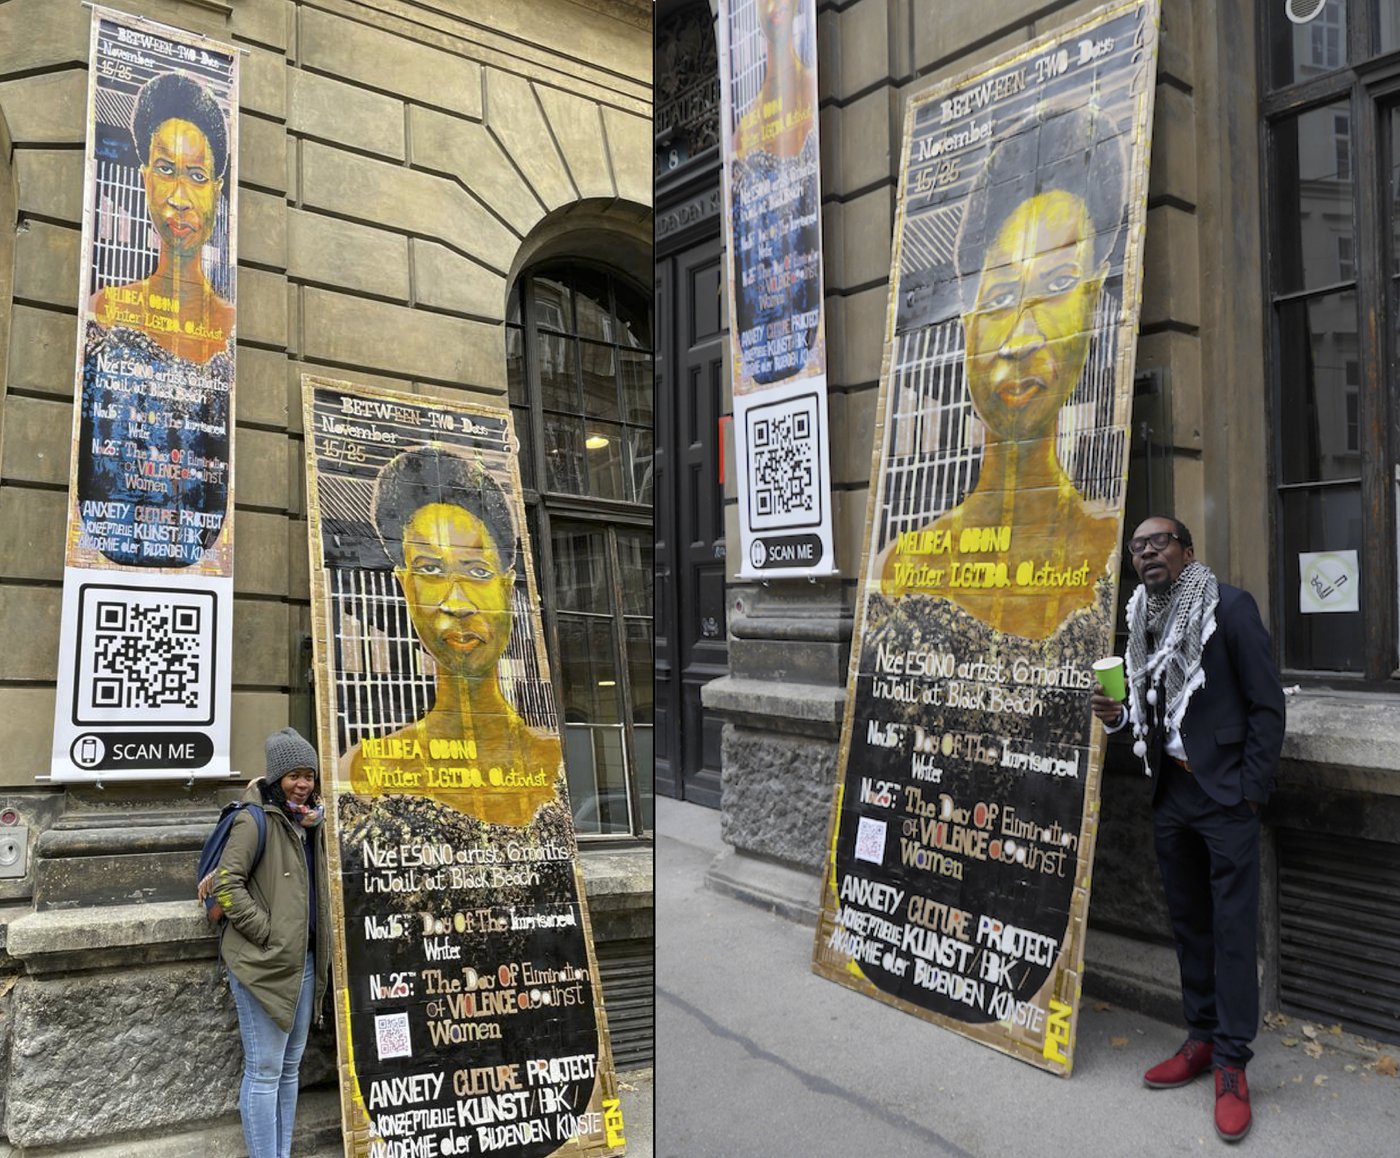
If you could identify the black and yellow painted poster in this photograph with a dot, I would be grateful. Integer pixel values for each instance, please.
(469, 1007)
(963, 826)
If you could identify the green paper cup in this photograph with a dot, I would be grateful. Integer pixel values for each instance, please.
(1110, 675)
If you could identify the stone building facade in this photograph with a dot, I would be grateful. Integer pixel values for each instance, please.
(1264, 417)
(404, 168)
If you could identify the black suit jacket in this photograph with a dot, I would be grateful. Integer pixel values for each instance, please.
(1233, 727)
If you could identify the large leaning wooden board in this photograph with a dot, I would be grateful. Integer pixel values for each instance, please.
(962, 829)
(469, 1011)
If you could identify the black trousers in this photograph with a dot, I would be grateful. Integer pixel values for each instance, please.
(1209, 857)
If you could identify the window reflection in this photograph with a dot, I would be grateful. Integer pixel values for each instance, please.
(597, 771)
(1323, 519)
(1313, 196)
(1318, 339)
(553, 305)
(580, 569)
(579, 368)
(589, 670)
(1300, 52)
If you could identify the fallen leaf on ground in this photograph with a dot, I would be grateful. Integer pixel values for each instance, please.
(1320, 1080)
(1313, 1049)
(1298, 1079)
(1275, 1020)
(1290, 1042)
(1385, 1064)
(1117, 1042)
(1310, 1031)
(1349, 1069)
(1335, 1030)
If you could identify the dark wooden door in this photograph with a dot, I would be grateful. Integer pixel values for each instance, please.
(690, 547)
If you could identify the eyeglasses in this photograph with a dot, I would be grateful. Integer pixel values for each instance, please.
(434, 575)
(1158, 539)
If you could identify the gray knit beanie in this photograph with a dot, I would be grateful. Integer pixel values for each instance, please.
(286, 752)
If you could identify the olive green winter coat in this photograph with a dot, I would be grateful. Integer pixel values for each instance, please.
(264, 938)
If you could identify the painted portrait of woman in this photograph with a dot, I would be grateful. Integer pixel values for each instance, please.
(1035, 246)
(181, 136)
(447, 526)
(775, 191)
(157, 362)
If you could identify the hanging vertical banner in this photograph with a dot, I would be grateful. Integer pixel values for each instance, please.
(963, 826)
(772, 201)
(467, 991)
(144, 656)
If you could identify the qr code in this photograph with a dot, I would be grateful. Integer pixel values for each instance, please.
(145, 653)
(391, 1035)
(870, 840)
(783, 464)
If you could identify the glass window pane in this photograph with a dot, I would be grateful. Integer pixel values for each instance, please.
(1317, 346)
(1302, 51)
(553, 306)
(634, 553)
(642, 445)
(515, 365)
(525, 438)
(597, 779)
(1395, 186)
(581, 570)
(513, 304)
(1327, 519)
(644, 772)
(640, 668)
(588, 671)
(1388, 28)
(606, 479)
(1312, 181)
(599, 366)
(558, 380)
(563, 454)
(638, 393)
(704, 302)
(634, 317)
(591, 301)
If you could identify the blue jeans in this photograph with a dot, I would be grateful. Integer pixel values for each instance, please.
(267, 1099)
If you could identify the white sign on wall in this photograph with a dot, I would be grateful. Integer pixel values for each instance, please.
(1328, 581)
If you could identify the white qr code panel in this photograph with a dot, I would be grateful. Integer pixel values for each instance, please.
(145, 655)
(783, 463)
(391, 1035)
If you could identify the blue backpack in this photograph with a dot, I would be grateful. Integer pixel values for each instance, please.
(213, 850)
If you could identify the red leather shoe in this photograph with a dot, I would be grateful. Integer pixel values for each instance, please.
(1182, 1068)
(1232, 1116)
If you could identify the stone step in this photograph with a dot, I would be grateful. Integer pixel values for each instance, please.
(317, 1136)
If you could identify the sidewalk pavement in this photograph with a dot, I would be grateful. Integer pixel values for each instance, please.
(760, 1058)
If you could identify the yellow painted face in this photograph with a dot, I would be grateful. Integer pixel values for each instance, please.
(457, 589)
(775, 15)
(182, 191)
(1028, 332)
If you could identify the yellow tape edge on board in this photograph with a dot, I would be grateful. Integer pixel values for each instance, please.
(851, 967)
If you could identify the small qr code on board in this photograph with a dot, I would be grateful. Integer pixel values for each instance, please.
(391, 1035)
(145, 654)
(783, 464)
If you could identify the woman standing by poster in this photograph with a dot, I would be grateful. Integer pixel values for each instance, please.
(276, 944)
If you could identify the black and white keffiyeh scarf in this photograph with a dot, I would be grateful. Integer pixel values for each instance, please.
(1181, 619)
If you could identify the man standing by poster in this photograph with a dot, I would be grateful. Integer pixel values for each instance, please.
(1207, 716)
